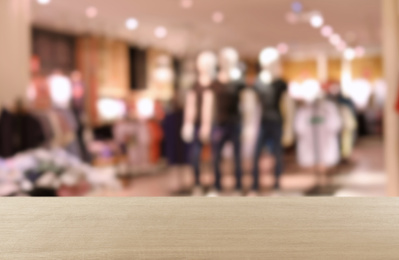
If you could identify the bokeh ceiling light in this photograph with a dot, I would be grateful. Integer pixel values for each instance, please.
(292, 18)
(341, 46)
(43, 2)
(360, 51)
(297, 7)
(283, 48)
(161, 32)
(187, 4)
(327, 31)
(218, 17)
(316, 20)
(335, 39)
(91, 12)
(132, 24)
(349, 54)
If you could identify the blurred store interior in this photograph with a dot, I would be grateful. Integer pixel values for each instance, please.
(127, 98)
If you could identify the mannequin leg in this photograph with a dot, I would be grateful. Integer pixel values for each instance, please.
(237, 155)
(195, 158)
(219, 139)
(257, 154)
(277, 152)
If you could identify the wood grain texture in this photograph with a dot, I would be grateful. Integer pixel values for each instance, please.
(190, 228)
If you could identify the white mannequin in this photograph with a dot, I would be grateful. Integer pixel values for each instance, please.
(206, 66)
(271, 69)
(229, 66)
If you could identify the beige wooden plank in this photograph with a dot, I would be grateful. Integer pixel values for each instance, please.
(191, 228)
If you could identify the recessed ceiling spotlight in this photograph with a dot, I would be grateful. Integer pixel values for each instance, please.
(187, 4)
(360, 51)
(218, 17)
(341, 46)
(161, 32)
(283, 48)
(327, 31)
(297, 7)
(43, 2)
(91, 12)
(349, 54)
(316, 20)
(292, 18)
(132, 24)
(335, 39)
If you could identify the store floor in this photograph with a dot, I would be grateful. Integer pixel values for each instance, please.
(364, 177)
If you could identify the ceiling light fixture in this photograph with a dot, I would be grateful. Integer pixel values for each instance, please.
(360, 51)
(349, 54)
(161, 32)
(341, 46)
(292, 18)
(283, 48)
(132, 24)
(218, 17)
(187, 4)
(327, 31)
(91, 12)
(43, 2)
(316, 20)
(297, 7)
(335, 39)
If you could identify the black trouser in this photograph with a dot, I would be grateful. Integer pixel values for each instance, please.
(270, 135)
(221, 134)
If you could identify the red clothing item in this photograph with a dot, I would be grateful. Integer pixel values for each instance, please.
(156, 136)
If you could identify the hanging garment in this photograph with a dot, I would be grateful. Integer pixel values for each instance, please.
(134, 139)
(317, 127)
(175, 147)
(19, 132)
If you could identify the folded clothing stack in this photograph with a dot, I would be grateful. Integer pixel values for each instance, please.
(52, 173)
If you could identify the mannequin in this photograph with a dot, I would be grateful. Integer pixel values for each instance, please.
(227, 113)
(270, 89)
(61, 94)
(197, 124)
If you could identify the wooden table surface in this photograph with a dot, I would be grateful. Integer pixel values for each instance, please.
(199, 228)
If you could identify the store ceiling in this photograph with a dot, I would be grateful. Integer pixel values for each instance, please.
(249, 25)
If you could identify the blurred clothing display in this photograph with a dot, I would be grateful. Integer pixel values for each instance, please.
(19, 132)
(156, 136)
(348, 135)
(175, 148)
(134, 137)
(52, 172)
(318, 126)
(271, 127)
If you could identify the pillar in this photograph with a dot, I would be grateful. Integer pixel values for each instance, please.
(14, 49)
(390, 38)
